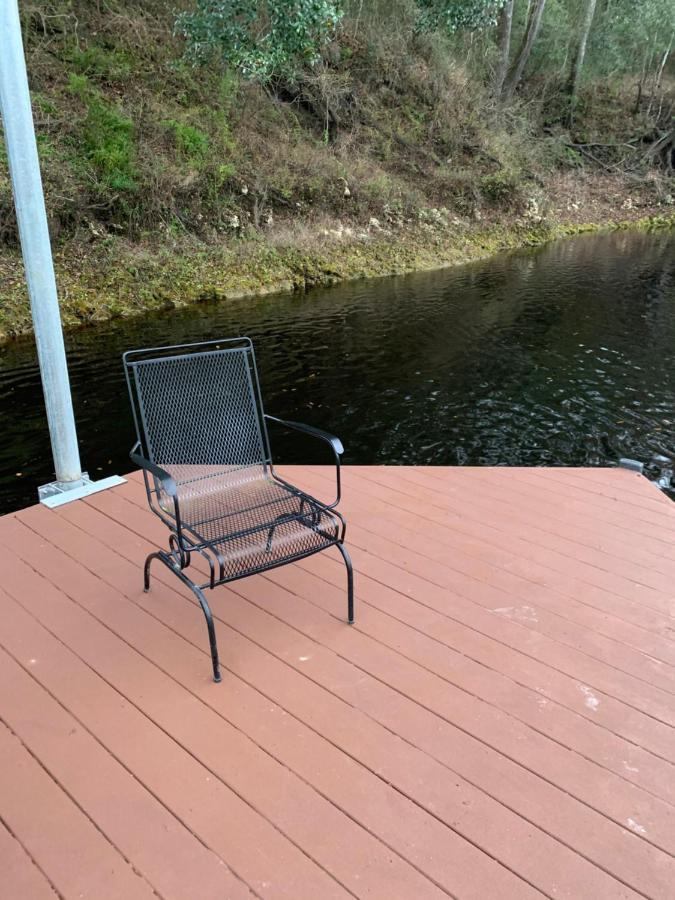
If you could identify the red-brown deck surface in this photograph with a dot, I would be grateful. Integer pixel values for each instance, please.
(497, 724)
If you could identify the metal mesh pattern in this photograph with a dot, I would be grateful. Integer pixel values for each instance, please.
(200, 416)
(202, 440)
(256, 524)
(201, 422)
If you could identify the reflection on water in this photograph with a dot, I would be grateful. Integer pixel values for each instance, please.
(559, 356)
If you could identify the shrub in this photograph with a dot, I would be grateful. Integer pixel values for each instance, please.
(500, 188)
(107, 137)
(95, 62)
(191, 141)
(260, 38)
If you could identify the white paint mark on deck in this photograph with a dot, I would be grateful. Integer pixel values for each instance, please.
(635, 826)
(518, 613)
(591, 701)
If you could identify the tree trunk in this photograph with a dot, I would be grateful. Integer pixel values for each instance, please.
(530, 36)
(505, 24)
(641, 85)
(579, 56)
(663, 147)
(664, 60)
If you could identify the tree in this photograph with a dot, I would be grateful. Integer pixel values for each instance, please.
(260, 38)
(523, 55)
(579, 56)
(504, 41)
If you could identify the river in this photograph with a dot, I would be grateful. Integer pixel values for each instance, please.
(563, 355)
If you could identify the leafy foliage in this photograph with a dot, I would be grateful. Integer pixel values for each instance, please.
(457, 15)
(628, 35)
(191, 141)
(260, 38)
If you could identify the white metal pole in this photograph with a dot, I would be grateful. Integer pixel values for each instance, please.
(24, 168)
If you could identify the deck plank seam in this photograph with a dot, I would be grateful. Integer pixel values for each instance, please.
(527, 724)
(476, 786)
(5, 824)
(509, 592)
(93, 735)
(452, 527)
(216, 712)
(573, 543)
(605, 571)
(488, 637)
(81, 809)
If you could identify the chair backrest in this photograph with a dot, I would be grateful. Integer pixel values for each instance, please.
(198, 410)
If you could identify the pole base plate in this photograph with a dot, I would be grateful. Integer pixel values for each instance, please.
(59, 492)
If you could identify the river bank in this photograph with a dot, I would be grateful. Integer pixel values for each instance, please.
(111, 278)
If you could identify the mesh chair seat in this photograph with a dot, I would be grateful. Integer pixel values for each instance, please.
(254, 523)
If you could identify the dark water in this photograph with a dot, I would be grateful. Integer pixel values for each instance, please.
(560, 356)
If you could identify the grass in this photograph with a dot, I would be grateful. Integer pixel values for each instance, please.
(192, 143)
(106, 138)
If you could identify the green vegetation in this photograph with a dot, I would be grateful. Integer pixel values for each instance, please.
(245, 144)
(191, 141)
(106, 138)
(259, 38)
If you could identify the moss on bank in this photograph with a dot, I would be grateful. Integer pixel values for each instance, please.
(119, 279)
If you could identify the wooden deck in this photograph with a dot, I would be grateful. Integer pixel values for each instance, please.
(497, 724)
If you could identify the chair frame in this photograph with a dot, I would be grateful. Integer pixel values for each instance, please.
(183, 542)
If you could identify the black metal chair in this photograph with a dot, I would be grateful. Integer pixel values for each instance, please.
(204, 449)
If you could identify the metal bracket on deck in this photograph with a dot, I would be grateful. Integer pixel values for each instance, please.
(633, 465)
(59, 492)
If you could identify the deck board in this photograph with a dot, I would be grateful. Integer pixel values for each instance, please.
(21, 877)
(498, 723)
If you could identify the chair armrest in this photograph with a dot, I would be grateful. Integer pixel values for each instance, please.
(335, 442)
(167, 482)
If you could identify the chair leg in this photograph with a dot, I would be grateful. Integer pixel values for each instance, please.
(206, 609)
(146, 570)
(350, 582)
